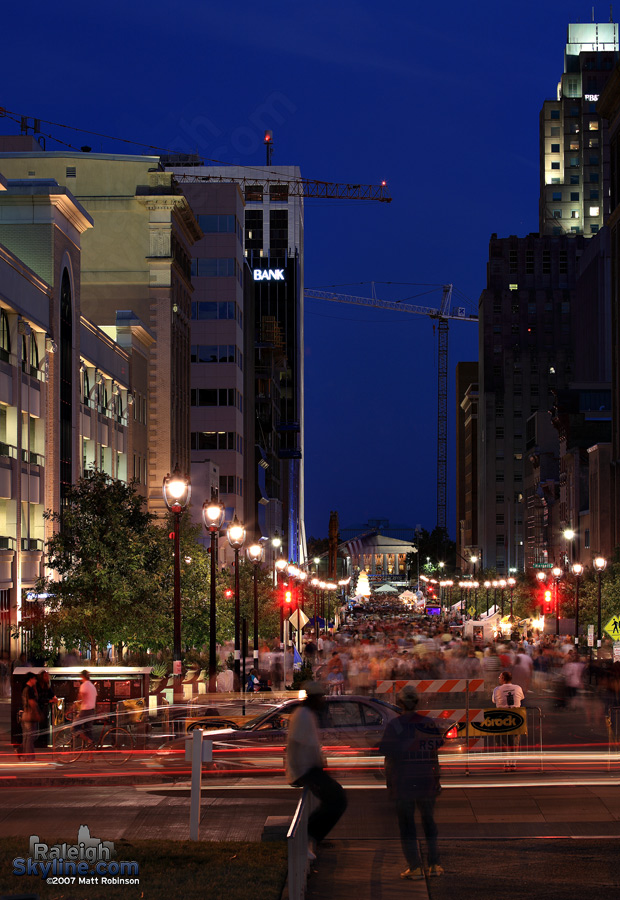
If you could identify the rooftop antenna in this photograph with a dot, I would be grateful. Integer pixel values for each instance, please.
(269, 146)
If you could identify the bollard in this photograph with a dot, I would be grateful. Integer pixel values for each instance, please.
(198, 751)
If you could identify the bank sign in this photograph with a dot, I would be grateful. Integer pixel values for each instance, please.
(268, 274)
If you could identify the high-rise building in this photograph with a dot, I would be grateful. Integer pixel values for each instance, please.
(274, 250)
(574, 149)
(136, 258)
(68, 391)
(526, 353)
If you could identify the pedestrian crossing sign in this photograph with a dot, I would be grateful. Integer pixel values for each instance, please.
(613, 627)
(471, 610)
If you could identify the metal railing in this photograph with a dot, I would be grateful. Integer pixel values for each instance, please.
(509, 750)
(297, 844)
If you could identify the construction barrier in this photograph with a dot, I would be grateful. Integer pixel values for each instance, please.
(437, 686)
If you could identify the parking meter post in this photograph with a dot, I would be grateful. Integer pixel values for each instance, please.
(467, 726)
(194, 814)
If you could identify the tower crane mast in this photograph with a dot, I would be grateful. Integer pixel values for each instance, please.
(443, 316)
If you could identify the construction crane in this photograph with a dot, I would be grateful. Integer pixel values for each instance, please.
(296, 187)
(445, 312)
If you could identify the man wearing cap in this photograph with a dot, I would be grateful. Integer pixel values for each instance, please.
(305, 766)
(410, 744)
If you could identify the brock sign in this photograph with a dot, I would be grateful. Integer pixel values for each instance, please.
(268, 274)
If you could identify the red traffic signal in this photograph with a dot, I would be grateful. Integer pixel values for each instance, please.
(288, 596)
(547, 596)
(228, 593)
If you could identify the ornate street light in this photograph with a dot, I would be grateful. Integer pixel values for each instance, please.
(256, 553)
(177, 491)
(213, 516)
(487, 585)
(502, 585)
(600, 563)
(236, 539)
(557, 573)
(577, 572)
(511, 584)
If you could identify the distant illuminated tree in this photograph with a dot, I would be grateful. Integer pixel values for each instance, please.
(363, 587)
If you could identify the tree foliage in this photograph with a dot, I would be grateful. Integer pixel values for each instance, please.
(113, 575)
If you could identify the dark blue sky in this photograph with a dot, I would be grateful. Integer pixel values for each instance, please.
(442, 101)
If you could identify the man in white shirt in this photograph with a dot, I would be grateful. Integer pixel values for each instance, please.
(87, 698)
(505, 696)
(305, 766)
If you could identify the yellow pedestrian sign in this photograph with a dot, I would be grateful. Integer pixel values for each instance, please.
(613, 628)
(471, 610)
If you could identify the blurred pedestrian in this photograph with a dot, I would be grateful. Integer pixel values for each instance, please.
(30, 716)
(46, 696)
(305, 766)
(410, 744)
(506, 696)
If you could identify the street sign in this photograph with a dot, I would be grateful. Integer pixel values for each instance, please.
(298, 619)
(471, 610)
(613, 627)
(590, 635)
(544, 566)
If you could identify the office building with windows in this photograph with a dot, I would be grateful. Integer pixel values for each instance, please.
(272, 223)
(136, 258)
(222, 418)
(67, 397)
(574, 146)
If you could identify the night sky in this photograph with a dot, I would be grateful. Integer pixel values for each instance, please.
(440, 100)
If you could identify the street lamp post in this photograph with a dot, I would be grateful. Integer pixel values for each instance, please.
(276, 543)
(557, 574)
(541, 577)
(569, 536)
(599, 564)
(487, 585)
(511, 584)
(577, 572)
(281, 565)
(236, 539)
(502, 585)
(255, 555)
(177, 491)
(212, 516)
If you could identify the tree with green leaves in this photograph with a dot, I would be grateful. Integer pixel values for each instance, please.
(112, 581)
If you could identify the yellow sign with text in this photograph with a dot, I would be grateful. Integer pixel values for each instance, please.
(496, 722)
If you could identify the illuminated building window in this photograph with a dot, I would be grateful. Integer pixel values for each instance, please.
(574, 145)
(595, 210)
(513, 287)
(574, 213)
(593, 143)
(593, 126)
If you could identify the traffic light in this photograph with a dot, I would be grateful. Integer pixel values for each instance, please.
(228, 593)
(548, 596)
(288, 596)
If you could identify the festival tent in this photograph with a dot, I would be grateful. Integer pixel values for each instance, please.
(408, 596)
(386, 589)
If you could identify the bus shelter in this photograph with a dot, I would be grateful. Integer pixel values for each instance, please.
(116, 687)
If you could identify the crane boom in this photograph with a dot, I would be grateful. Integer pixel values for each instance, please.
(297, 187)
(443, 314)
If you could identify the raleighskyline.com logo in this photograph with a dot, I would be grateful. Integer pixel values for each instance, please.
(89, 861)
